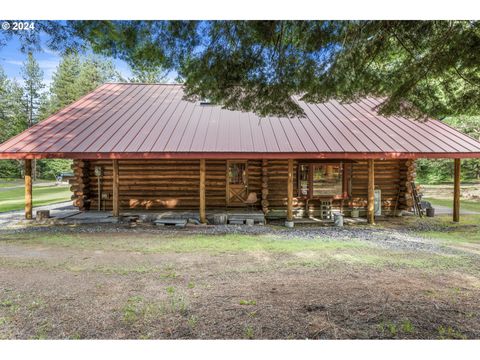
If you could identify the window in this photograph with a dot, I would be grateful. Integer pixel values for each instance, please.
(237, 173)
(322, 180)
(303, 182)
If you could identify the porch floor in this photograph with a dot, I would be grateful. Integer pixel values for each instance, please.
(65, 213)
(93, 216)
(234, 216)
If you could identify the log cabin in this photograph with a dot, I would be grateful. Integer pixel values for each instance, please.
(145, 147)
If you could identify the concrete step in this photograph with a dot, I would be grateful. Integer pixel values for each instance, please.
(176, 222)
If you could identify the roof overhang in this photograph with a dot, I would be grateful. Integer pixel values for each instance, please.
(237, 155)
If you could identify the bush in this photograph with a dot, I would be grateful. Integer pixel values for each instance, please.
(10, 169)
(49, 168)
(434, 171)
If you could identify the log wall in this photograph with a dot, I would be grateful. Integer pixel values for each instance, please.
(174, 184)
(156, 184)
(390, 177)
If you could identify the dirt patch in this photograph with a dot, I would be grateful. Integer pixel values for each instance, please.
(53, 291)
(445, 191)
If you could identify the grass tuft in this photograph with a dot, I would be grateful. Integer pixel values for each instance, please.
(248, 302)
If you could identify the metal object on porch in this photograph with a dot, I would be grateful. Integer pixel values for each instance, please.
(98, 170)
(289, 224)
(177, 222)
(377, 202)
(220, 219)
(236, 221)
(42, 215)
(427, 207)
(338, 219)
(355, 213)
(251, 200)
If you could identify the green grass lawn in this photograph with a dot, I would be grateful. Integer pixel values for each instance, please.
(214, 244)
(4, 183)
(468, 205)
(11, 182)
(14, 199)
(287, 253)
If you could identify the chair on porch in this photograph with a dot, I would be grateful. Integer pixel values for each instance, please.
(251, 200)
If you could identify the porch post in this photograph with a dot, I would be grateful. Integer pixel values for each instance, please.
(28, 189)
(116, 198)
(456, 191)
(290, 191)
(371, 192)
(203, 218)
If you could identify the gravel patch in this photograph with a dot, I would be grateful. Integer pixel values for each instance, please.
(393, 239)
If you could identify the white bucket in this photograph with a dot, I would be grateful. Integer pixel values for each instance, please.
(338, 219)
(289, 224)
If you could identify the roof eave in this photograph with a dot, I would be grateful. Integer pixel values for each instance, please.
(238, 155)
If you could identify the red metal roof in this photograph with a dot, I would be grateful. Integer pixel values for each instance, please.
(154, 121)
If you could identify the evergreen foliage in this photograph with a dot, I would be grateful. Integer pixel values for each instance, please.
(33, 84)
(21, 107)
(420, 68)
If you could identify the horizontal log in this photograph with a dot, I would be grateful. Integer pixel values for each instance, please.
(178, 180)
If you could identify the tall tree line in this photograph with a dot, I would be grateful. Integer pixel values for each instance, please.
(22, 106)
(441, 170)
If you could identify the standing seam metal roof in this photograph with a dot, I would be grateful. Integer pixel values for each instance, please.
(149, 120)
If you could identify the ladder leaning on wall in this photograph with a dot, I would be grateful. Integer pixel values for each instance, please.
(417, 206)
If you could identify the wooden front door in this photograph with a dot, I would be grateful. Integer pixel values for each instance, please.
(237, 186)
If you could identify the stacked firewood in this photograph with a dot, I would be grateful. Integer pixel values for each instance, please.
(80, 184)
(411, 175)
(265, 202)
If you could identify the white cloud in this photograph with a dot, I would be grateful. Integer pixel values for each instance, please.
(14, 62)
(48, 66)
(49, 52)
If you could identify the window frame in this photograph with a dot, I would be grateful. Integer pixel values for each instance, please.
(346, 177)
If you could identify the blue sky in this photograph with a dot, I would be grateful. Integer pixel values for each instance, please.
(11, 59)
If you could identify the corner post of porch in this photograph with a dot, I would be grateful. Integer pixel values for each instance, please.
(456, 191)
(28, 188)
(290, 191)
(203, 217)
(371, 192)
(116, 183)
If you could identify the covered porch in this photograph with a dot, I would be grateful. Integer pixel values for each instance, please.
(205, 214)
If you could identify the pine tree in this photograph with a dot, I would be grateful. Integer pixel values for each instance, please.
(95, 71)
(33, 79)
(148, 76)
(75, 77)
(13, 120)
(4, 83)
(63, 89)
(17, 116)
(45, 109)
